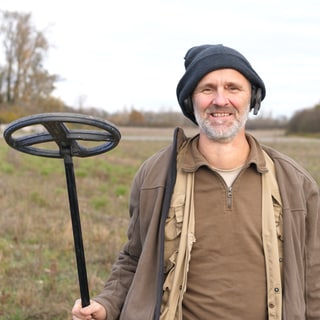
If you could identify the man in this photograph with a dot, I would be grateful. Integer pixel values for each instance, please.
(221, 227)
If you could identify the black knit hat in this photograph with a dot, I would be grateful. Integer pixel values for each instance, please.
(203, 59)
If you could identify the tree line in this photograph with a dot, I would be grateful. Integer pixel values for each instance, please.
(26, 86)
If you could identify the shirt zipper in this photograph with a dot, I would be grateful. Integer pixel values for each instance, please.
(229, 189)
(229, 197)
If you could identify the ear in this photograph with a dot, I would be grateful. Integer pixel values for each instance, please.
(255, 102)
(188, 105)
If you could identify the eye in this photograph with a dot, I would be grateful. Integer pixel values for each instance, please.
(233, 88)
(206, 90)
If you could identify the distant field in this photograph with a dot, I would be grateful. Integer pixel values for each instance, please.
(37, 266)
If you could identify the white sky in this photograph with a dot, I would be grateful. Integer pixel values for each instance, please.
(129, 53)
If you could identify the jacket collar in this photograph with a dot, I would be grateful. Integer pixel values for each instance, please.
(190, 159)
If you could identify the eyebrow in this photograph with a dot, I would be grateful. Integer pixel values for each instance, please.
(209, 84)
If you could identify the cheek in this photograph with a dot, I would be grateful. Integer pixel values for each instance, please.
(201, 102)
(241, 103)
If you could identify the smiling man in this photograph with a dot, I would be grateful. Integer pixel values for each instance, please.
(221, 227)
(222, 105)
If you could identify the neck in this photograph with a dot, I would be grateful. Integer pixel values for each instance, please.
(225, 155)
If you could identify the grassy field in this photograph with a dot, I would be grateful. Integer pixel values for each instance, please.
(37, 264)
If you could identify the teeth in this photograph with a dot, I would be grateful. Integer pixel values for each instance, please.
(220, 114)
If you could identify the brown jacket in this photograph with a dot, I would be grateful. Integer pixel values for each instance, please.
(134, 289)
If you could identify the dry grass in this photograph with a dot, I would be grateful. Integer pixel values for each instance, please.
(37, 271)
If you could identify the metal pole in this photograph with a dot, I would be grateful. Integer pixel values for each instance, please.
(76, 228)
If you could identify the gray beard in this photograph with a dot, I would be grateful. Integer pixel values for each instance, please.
(221, 135)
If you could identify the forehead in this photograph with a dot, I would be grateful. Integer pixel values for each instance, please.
(224, 76)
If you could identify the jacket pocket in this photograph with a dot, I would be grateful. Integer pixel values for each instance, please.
(173, 227)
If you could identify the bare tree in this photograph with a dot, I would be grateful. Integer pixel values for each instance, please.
(24, 78)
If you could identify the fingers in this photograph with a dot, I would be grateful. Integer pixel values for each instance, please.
(76, 310)
(79, 313)
(94, 311)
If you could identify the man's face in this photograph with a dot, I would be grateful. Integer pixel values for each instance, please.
(221, 103)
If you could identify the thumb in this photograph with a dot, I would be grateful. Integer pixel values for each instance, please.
(95, 309)
(91, 308)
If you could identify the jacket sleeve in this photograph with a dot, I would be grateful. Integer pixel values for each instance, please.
(312, 253)
(301, 223)
(130, 291)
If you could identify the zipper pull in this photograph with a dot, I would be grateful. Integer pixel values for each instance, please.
(229, 197)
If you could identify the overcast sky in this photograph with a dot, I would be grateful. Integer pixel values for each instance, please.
(129, 53)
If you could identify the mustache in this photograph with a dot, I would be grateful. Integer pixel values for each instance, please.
(226, 109)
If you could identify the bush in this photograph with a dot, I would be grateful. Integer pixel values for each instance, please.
(305, 121)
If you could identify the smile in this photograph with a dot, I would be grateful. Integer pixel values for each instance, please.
(220, 115)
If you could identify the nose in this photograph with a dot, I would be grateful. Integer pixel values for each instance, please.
(220, 98)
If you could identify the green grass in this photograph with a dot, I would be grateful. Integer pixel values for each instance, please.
(37, 263)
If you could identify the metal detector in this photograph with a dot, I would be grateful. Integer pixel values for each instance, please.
(56, 133)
